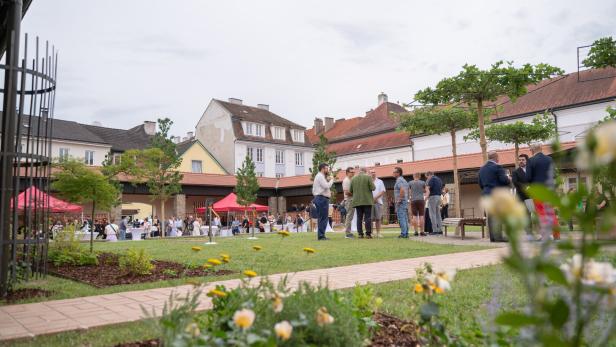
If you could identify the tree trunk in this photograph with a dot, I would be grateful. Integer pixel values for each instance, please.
(517, 154)
(92, 226)
(482, 131)
(456, 180)
(162, 218)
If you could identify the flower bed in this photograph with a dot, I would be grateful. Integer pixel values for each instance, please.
(108, 272)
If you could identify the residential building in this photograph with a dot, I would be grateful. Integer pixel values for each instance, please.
(197, 159)
(231, 131)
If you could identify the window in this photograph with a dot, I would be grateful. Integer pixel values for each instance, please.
(299, 159)
(250, 152)
(116, 158)
(197, 166)
(298, 135)
(259, 130)
(249, 128)
(63, 154)
(279, 175)
(278, 133)
(259, 174)
(399, 161)
(89, 158)
(279, 157)
(377, 164)
(259, 155)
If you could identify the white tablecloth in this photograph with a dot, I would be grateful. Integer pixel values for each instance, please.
(136, 233)
(85, 236)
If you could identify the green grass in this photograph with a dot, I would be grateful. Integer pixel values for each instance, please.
(277, 256)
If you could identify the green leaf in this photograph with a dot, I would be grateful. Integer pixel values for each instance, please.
(428, 310)
(516, 319)
(552, 272)
(559, 313)
(543, 193)
(514, 263)
(552, 340)
(591, 249)
(565, 246)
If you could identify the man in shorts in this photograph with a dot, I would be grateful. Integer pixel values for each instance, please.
(377, 208)
(418, 203)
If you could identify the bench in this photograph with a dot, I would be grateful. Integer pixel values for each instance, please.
(463, 222)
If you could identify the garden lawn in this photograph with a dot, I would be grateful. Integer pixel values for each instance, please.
(278, 255)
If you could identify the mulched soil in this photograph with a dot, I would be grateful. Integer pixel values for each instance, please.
(26, 293)
(146, 343)
(394, 332)
(107, 272)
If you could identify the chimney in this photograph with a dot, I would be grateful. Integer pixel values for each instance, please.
(329, 123)
(318, 126)
(235, 101)
(190, 135)
(149, 127)
(382, 98)
(263, 106)
(178, 139)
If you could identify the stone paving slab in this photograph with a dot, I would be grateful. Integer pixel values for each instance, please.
(29, 320)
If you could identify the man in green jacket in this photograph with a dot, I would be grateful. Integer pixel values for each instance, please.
(361, 190)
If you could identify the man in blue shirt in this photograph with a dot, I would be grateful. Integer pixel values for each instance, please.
(401, 198)
(435, 186)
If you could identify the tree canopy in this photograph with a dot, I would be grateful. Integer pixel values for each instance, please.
(247, 184)
(321, 155)
(602, 53)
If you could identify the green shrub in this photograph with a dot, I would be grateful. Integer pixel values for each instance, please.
(136, 262)
(79, 257)
(350, 315)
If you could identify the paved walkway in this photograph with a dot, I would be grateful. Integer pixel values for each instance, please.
(29, 320)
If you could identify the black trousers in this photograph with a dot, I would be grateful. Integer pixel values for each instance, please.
(445, 211)
(364, 213)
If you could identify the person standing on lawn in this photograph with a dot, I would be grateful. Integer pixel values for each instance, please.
(348, 201)
(518, 178)
(435, 186)
(418, 203)
(361, 190)
(491, 176)
(377, 208)
(401, 197)
(321, 190)
(540, 170)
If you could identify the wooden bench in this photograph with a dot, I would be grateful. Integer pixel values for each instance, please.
(463, 222)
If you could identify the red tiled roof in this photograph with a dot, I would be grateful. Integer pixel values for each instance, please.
(562, 91)
(371, 143)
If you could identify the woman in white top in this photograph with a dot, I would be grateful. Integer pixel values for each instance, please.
(147, 227)
(196, 231)
(174, 228)
(111, 230)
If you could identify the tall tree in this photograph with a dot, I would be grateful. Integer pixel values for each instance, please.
(602, 53)
(541, 128)
(433, 120)
(77, 183)
(321, 155)
(476, 87)
(156, 166)
(247, 185)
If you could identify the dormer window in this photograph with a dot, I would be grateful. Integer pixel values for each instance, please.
(278, 133)
(254, 129)
(298, 135)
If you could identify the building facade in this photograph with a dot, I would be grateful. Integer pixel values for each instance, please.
(231, 131)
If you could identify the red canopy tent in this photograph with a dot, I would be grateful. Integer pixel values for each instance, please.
(229, 204)
(35, 198)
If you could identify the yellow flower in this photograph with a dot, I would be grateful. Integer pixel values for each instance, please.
(216, 292)
(605, 149)
(193, 283)
(309, 250)
(284, 233)
(283, 330)
(257, 248)
(244, 318)
(250, 273)
(196, 248)
(193, 329)
(207, 266)
(214, 261)
(439, 290)
(225, 256)
(225, 260)
(323, 317)
(418, 288)
(277, 303)
(504, 206)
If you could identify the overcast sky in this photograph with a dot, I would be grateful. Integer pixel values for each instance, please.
(125, 61)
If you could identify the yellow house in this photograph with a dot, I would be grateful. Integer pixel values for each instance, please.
(197, 159)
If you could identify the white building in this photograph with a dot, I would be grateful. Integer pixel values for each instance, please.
(231, 130)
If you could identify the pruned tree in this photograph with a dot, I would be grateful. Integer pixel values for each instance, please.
(541, 128)
(322, 155)
(602, 54)
(434, 120)
(77, 183)
(247, 185)
(474, 87)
